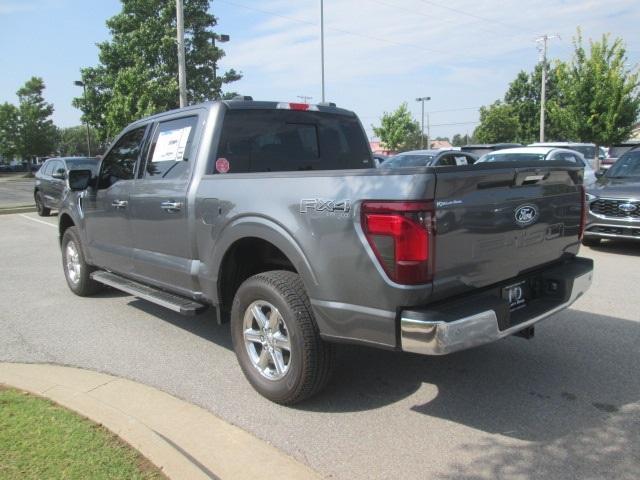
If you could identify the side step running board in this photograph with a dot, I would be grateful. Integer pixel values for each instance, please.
(173, 302)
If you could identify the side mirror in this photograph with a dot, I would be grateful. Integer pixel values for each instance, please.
(60, 175)
(79, 179)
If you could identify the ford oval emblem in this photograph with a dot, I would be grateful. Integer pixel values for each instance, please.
(526, 215)
(628, 207)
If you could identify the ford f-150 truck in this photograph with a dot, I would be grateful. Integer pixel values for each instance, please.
(273, 214)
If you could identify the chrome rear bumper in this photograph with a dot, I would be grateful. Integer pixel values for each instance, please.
(440, 338)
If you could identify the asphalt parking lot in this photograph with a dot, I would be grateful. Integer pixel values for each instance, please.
(563, 405)
(16, 191)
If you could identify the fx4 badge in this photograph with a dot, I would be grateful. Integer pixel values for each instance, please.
(329, 206)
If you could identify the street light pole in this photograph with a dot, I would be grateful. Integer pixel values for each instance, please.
(543, 90)
(222, 39)
(322, 44)
(422, 100)
(182, 70)
(80, 83)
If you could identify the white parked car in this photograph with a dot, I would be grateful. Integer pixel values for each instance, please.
(533, 154)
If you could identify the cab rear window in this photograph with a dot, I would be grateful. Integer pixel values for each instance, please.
(288, 140)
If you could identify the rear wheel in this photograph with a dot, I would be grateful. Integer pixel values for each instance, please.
(76, 270)
(276, 339)
(40, 207)
(590, 242)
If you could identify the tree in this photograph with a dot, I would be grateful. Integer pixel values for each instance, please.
(137, 74)
(398, 130)
(602, 94)
(498, 123)
(72, 141)
(459, 140)
(36, 131)
(8, 131)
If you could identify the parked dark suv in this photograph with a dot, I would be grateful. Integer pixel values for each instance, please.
(51, 180)
(614, 202)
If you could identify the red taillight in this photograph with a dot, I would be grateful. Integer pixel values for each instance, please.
(298, 106)
(583, 212)
(401, 236)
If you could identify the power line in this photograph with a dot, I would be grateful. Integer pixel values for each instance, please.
(453, 123)
(339, 30)
(454, 109)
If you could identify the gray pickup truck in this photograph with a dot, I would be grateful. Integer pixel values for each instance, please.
(273, 214)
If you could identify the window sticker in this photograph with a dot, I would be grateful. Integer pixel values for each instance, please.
(171, 145)
(461, 160)
(222, 165)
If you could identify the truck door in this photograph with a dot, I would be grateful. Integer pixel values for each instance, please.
(160, 208)
(106, 208)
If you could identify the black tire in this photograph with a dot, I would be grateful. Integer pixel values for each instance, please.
(590, 242)
(40, 207)
(311, 360)
(79, 281)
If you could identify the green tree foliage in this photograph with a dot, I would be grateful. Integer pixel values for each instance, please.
(498, 123)
(36, 132)
(72, 141)
(459, 140)
(602, 94)
(398, 130)
(9, 145)
(137, 74)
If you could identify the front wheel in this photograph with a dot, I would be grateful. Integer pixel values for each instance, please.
(276, 339)
(40, 207)
(76, 270)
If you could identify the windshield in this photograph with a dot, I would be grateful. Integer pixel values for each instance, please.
(588, 151)
(401, 160)
(511, 157)
(82, 164)
(617, 151)
(627, 165)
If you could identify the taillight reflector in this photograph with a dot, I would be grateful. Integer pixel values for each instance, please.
(400, 235)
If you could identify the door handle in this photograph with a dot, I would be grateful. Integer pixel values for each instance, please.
(171, 207)
(119, 204)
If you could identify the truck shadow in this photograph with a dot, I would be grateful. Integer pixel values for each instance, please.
(620, 247)
(574, 375)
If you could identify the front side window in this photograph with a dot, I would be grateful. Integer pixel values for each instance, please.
(628, 165)
(120, 162)
(171, 149)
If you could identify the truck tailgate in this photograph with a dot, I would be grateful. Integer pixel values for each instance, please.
(495, 222)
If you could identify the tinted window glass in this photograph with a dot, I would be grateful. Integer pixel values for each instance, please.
(566, 157)
(120, 162)
(287, 140)
(400, 161)
(57, 167)
(46, 170)
(627, 165)
(512, 157)
(170, 150)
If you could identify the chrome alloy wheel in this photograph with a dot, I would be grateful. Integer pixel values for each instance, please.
(266, 339)
(72, 261)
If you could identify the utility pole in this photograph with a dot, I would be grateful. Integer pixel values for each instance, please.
(322, 44)
(422, 100)
(80, 83)
(182, 71)
(304, 98)
(542, 48)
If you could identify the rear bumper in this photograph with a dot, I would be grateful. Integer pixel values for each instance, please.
(484, 318)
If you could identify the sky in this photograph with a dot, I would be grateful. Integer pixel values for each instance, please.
(378, 53)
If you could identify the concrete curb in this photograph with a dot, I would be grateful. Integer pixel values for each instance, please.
(17, 209)
(183, 440)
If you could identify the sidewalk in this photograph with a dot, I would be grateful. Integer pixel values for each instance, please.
(183, 440)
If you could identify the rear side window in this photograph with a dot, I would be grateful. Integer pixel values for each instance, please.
(120, 162)
(170, 150)
(287, 140)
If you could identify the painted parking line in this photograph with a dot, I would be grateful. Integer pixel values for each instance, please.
(36, 220)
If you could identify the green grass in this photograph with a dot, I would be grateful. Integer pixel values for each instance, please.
(41, 440)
